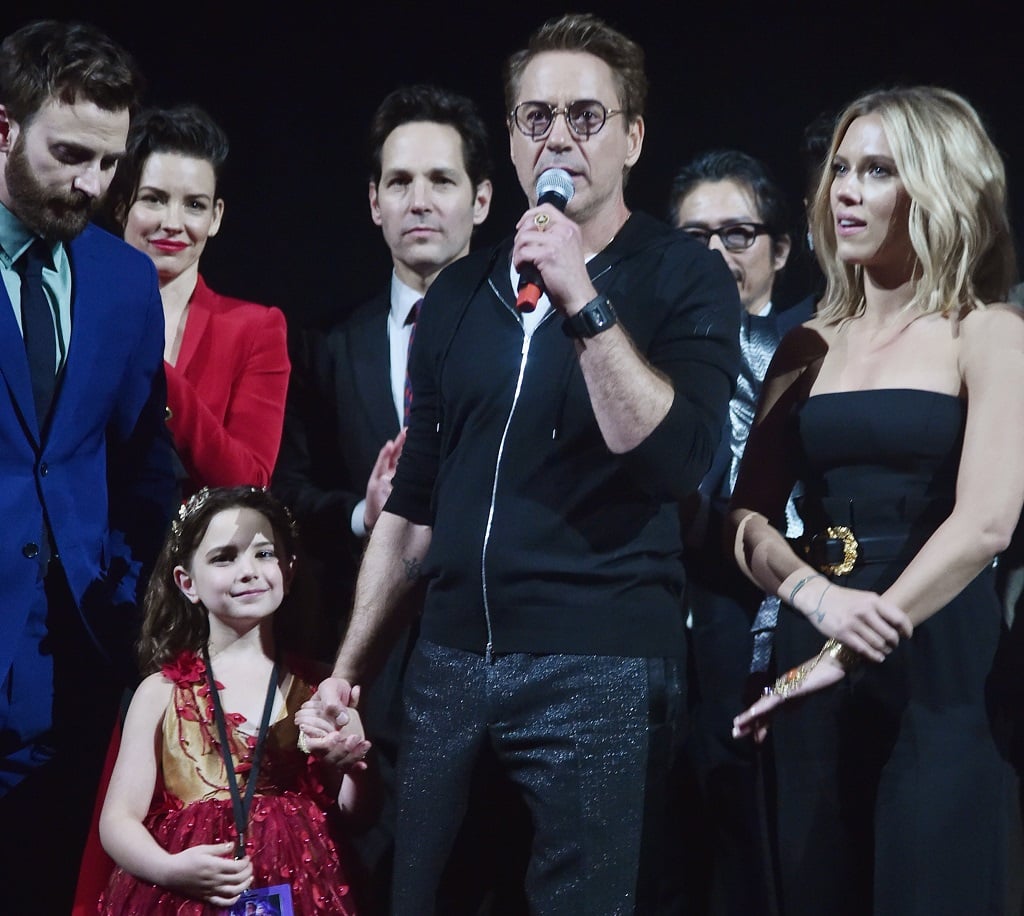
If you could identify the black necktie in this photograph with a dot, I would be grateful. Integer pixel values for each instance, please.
(37, 327)
(414, 313)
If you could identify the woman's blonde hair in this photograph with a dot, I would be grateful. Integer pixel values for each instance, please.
(958, 222)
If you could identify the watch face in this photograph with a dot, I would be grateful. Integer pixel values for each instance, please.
(596, 316)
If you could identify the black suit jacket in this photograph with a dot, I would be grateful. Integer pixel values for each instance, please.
(340, 412)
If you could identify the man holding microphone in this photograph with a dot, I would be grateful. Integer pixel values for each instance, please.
(537, 494)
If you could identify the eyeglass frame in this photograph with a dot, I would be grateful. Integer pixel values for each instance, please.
(555, 111)
(704, 235)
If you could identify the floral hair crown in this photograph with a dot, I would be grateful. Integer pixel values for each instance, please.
(199, 499)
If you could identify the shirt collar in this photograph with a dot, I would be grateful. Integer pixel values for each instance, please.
(15, 237)
(403, 298)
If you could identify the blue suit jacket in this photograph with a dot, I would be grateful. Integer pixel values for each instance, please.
(102, 472)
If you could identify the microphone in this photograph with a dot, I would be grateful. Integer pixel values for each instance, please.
(554, 187)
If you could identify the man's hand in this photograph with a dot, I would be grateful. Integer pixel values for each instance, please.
(378, 487)
(341, 745)
(555, 248)
(331, 726)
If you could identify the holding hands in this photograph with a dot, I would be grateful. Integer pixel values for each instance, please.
(330, 727)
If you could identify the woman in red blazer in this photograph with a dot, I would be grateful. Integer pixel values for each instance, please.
(226, 360)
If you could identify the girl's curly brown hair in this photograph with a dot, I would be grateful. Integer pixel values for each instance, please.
(171, 623)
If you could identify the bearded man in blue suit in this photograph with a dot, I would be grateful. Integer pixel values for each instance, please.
(86, 480)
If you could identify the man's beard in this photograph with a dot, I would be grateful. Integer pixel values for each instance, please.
(53, 215)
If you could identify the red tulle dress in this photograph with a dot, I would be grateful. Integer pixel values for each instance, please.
(293, 835)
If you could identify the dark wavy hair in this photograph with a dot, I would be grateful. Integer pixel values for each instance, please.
(424, 102)
(186, 130)
(171, 623)
(65, 61)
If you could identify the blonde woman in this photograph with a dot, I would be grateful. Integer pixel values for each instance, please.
(900, 407)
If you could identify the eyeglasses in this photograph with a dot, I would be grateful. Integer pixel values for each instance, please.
(585, 117)
(735, 237)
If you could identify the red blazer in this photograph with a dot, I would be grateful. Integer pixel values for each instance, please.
(226, 394)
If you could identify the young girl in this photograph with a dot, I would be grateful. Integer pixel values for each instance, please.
(189, 834)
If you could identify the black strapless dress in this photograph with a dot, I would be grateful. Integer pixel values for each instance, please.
(895, 795)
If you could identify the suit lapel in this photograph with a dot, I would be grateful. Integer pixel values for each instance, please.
(89, 327)
(195, 324)
(370, 356)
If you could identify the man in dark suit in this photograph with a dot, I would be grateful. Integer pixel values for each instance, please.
(428, 190)
(86, 486)
(344, 424)
(730, 202)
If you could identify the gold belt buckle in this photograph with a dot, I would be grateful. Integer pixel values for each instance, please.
(850, 548)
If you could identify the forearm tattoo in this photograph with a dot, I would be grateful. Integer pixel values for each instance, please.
(818, 614)
(413, 568)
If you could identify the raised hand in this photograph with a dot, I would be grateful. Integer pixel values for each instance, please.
(378, 487)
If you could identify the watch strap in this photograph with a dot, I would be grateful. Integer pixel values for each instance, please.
(596, 316)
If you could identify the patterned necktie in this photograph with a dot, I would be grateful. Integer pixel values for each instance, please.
(414, 313)
(37, 327)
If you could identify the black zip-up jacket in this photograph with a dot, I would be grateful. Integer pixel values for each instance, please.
(543, 540)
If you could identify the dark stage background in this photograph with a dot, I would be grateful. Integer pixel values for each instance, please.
(295, 88)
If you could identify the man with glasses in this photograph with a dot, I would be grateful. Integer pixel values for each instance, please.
(728, 201)
(546, 453)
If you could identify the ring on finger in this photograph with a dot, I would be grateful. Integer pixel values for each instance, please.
(540, 220)
(303, 743)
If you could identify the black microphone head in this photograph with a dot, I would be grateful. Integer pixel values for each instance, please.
(555, 187)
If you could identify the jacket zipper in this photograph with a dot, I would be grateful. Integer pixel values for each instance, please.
(524, 353)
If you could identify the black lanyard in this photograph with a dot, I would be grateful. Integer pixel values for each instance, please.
(241, 805)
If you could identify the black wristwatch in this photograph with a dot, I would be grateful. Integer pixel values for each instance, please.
(596, 316)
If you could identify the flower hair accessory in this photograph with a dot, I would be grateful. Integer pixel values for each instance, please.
(199, 499)
(194, 503)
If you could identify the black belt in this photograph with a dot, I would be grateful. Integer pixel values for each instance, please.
(837, 550)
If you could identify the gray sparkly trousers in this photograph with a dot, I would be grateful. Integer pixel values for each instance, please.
(588, 740)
